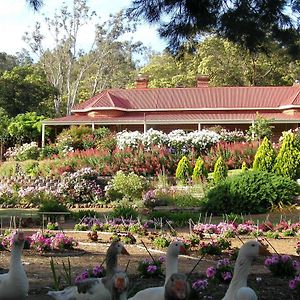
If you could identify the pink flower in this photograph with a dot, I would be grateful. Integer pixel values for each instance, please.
(292, 284)
(151, 269)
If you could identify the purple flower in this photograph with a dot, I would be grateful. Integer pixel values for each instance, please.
(268, 262)
(200, 284)
(97, 270)
(292, 284)
(162, 259)
(210, 272)
(151, 269)
(285, 258)
(227, 276)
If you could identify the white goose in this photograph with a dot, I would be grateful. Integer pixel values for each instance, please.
(14, 284)
(177, 287)
(94, 288)
(238, 289)
(157, 293)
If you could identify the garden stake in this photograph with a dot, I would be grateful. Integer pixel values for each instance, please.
(237, 235)
(200, 217)
(195, 266)
(127, 265)
(148, 251)
(271, 246)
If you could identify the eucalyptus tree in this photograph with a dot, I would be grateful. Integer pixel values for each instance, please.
(66, 64)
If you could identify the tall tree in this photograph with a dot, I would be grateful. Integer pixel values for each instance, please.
(226, 64)
(66, 64)
(247, 22)
(25, 89)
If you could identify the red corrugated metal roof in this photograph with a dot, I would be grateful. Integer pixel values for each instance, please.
(194, 98)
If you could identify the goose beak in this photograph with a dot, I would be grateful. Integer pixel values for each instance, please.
(182, 250)
(263, 250)
(124, 251)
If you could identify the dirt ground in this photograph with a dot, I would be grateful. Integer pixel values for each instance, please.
(39, 273)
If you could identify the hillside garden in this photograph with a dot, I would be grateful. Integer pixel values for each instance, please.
(211, 189)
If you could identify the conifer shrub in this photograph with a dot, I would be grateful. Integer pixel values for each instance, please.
(220, 170)
(199, 172)
(250, 192)
(244, 166)
(287, 162)
(183, 170)
(265, 156)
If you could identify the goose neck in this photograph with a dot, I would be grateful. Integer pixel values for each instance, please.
(111, 264)
(171, 265)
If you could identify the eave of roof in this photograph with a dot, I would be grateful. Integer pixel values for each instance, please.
(180, 118)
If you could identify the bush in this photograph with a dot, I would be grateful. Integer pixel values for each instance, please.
(264, 157)
(287, 161)
(51, 205)
(220, 170)
(251, 191)
(129, 186)
(200, 172)
(124, 211)
(183, 170)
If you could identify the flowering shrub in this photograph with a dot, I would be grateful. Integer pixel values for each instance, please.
(52, 226)
(23, 152)
(223, 272)
(47, 242)
(282, 265)
(96, 272)
(149, 268)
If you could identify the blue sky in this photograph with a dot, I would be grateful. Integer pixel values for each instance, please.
(16, 17)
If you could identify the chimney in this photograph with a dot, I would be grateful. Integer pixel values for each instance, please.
(142, 82)
(202, 81)
(297, 82)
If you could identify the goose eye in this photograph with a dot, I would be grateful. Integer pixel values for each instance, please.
(253, 245)
(176, 244)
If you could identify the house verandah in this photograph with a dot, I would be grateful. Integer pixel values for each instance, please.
(189, 109)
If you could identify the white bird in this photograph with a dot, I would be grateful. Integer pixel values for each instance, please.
(238, 289)
(177, 287)
(94, 288)
(14, 284)
(157, 293)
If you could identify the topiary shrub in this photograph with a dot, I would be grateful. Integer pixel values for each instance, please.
(220, 170)
(250, 192)
(265, 156)
(183, 170)
(287, 162)
(199, 172)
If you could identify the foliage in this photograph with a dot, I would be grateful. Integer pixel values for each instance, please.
(199, 171)
(161, 241)
(179, 218)
(24, 152)
(244, 166)
(25, 89)
(220, 170)
(52, 206)
(287, 162)
(223, 272)
(26, 127)
(265, 156)
(250, 191)
(125, 212)
(250, 25)
(128, 186)
(260, 128)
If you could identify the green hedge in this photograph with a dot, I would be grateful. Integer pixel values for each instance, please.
(250, 192)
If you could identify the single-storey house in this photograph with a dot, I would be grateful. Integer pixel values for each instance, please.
(195, 108)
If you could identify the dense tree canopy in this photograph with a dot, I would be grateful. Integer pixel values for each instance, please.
(248, 22)
(25, 89)
(226, 63)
